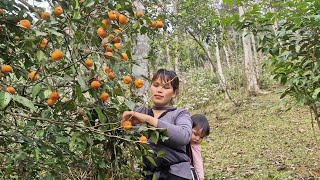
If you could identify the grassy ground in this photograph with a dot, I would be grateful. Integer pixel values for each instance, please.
(261, 139)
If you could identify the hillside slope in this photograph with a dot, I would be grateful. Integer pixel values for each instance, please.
(261, 139)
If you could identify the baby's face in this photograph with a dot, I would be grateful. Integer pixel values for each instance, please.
(196, 136)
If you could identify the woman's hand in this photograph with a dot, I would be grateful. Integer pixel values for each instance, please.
(137, 117)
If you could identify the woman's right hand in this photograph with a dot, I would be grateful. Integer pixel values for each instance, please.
(136, 117)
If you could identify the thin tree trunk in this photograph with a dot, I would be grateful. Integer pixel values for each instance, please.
(230, 54)
(222, 78)
(252, 82)
(257, 68)
(226, 52)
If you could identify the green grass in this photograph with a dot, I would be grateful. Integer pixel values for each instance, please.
(261, 139)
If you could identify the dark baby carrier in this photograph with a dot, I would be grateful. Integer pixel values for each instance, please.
(194, 173)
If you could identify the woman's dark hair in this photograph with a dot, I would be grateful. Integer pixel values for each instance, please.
(167, 76)
(201, 122)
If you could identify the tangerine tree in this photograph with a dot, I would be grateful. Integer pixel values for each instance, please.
(66, 78)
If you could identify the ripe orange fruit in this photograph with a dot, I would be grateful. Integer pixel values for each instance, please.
(159, 24)
(11, 90)
(6, 69)
(25, 23)
(153, 24)
(107, 70)
(139, 83)
(95, 84)
(116, 40)
(106, 22)
(102, 32)
(111, 36)
(127, 79)
(125, 56)
(43, 43)
(57, 55)
(104, 97)
(58, 11)
(45, 16)
(127, 125)
(143, 139)
(118, 31)
(111, 75)
(108, 55)
(109, 49)
(139, 14)
(117, 45)
(123, 19)
(54, 95)
(113, 15)
(89, 63)
(33, 76)
(51, 102)
(85, 120)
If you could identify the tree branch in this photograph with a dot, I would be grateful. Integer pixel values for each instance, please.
(90, 129)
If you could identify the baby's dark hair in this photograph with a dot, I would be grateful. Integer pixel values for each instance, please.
(200, 121)
(167, 76)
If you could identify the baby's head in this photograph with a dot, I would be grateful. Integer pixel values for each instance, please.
(200, 128)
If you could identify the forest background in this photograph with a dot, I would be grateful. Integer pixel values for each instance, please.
(70, 68)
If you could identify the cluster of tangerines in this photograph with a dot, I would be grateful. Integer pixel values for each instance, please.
(127, 125)
(111, 39)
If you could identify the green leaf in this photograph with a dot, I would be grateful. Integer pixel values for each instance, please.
(89, 3)
(151, 160)
(161, 154)
(5, 99)
(24, 101)
(89, 140)
(130, 104)
(101, 116)
(47, 93)
(79, 95)
(40, 56)
(62, 139)
(35, 90)
(54, 32)
(38, 33)
(155, 137)
(82, 83)
(315, 93)
(142, 128)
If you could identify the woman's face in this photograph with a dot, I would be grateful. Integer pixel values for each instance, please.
(161, 93)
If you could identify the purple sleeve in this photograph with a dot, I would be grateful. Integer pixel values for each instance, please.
(180, 132)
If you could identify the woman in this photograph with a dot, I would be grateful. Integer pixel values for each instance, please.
(177, 121)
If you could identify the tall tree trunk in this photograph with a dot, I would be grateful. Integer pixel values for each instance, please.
(252, 82)
(257, 68)
(223, 81)
(230, 54)
(226, 52)
(140, 54)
